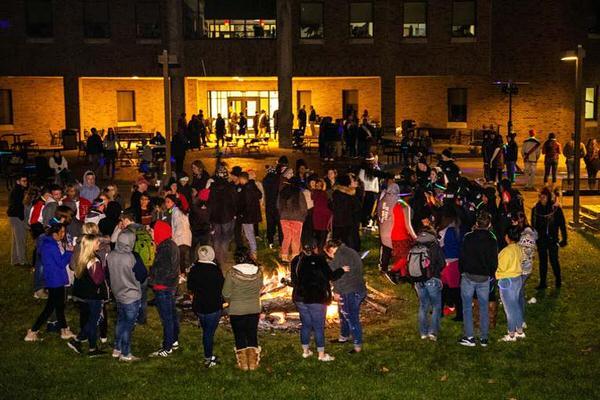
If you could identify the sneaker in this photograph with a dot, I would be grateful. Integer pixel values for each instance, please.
(96, 353)
(483, 342)
(116, 353)
(161, 353)
(508, 338)
(307, 354)
(103, 339)
(423, 337)
(175, 345)
(432, 337)
(129, 358)
(338, 341)
(524, 326)
(520, 335)
(467, 341)
(271, 246)
(392, 277)
(66, 334)
(40, 294)
(75, 345)
(32, 336)
(326, 358)
(211, 362)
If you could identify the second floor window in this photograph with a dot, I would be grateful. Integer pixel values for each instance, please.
(361, 20)
(463, 19)
(96, 24)
(590, 103)
(241, 28)
(39, 19)
(457, 105)
(415, 19)
(147, 20)
(311, 20)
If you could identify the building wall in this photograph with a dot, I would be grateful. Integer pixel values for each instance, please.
(539, 105)
(38, 106)
(98, 102)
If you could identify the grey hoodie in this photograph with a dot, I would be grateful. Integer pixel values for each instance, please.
(436, 254)
(89, 192)
(125, 272)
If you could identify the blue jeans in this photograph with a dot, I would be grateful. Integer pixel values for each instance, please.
(430, 295)
(511, 167)
(250, 236)
(209, 324)
(89, 331)
(165, 303)
(349, 311)
(222, 236)
(522, 295)
(312, 317)
(467, 289)
(38, 276)
(126, 317)
(510, 292)
(142, 316)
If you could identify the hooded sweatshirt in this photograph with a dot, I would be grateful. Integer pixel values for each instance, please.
(242, 289)
(126, 271)
(164, 273)
(385, 213)
(89, 192)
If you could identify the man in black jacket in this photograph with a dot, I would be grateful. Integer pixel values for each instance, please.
(249, 210)
(94, 148)
(271, 183)
(222, 207)
(477, 263)
(16, 217)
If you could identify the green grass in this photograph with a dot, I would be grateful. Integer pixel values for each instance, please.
(558, 360)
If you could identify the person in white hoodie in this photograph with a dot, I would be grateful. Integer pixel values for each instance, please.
(182, 234)
(531, 151)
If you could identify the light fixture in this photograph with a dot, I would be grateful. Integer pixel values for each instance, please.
(135, 77)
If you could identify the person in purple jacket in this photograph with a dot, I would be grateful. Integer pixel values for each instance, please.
(55, 258)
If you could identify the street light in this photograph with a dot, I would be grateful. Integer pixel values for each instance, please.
(577, 55)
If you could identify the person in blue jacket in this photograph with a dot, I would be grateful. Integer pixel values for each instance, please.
(55, 258)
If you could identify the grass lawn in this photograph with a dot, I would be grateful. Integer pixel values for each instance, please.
(559, 359)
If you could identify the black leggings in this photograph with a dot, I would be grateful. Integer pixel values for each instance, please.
(55, 302)
(245, 329)
(368, 203)
(451, 297)
(84, 316)
(549, 250)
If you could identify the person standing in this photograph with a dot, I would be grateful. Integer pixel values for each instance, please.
(182, 235)
(302, 119)
(93, 149)
(592, 161)
(222, 207)
(511, 156)
(220, 130)
(547, 219)
(110, 146)
(205, 282)
(569, 153)
(312, 120)
(275, 124)
(530, 151)
(249, 210)
(349, 291)
(292, 209)
(164, 276)
(16, 218)
(551, 150)
(346, 207)
(241, 290)
(271, 187)
(242, 124)
(477, 262)
(179, 146)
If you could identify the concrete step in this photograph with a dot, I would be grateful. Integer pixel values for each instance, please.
(591, 209)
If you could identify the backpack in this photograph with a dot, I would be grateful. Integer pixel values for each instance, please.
(144, 246)
(417, 268)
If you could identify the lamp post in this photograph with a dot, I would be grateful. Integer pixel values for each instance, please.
(167, 60)
(577, 55)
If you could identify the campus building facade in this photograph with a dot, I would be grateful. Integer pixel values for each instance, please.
(84, 63)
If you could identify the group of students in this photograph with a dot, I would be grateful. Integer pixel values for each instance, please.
(447, 236)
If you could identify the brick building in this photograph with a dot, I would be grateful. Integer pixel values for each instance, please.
(85, 63)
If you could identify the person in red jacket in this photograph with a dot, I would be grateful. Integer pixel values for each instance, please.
(403, 237)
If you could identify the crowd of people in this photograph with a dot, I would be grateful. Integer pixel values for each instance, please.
(458, 242)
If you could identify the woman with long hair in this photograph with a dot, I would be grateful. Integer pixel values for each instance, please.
(110, 146)
(450, 240)
(90, 288)
(527, 242)
(592, 161)
(292, 210)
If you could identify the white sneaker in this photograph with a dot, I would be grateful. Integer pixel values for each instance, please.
(103, 340)
(520, 335)
(326, 358)
(116, 353)
(508, 338)
(432, 337)
(524, 326)
(423, 337)
(129, 358)
(307, 354)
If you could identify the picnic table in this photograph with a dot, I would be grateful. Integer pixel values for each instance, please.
(44, 149)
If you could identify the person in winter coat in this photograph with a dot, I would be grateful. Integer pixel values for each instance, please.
(241, 290)
(93, 149)
(511, 156)
(402, 236)
(60, 166)
(90, 288)
(292, 210)
(182, 235)
(205, 282)
(54, 258)
(179, 147)
(527, 242)
(222, 206)
(592, 161)
(530, 151)
(271, 183)
(349, 291)
(200, 219)
(164, 276)
(346, 207)
(88, 189)
(110, 146)
(477, 262)
(321, 215)
(80, 205)
(16, 217)
(450, 239)
(385, 218)
(249, 211)
(551, 150)
(429, 289)
(449, 168)
(548, 220)
(200, 176)
(311, 276)
(127, 274)
(369, 176)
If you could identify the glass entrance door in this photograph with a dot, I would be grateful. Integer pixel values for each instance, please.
(248, 105)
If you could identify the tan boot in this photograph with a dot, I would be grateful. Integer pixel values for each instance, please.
(242, 359)
(253, 357)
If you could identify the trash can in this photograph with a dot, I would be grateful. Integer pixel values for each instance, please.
(69, 139)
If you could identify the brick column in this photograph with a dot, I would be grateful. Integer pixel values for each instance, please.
(175, 45)
(388, 104)
(284, 71)
(71, 92)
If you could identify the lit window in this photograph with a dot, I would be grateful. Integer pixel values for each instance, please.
(147, 19)
(463, 19)
(590, 103)
(39, 16)
(125, 106)
(361, 20)
(311, 20)
(6, 107)
(349, 102)
(415, 19)
(96, 23)
(457, 105)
